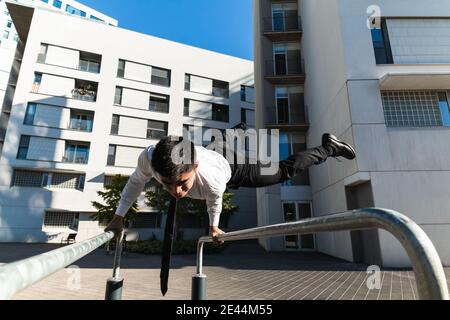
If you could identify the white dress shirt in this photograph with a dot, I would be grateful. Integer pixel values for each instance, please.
(210, 182)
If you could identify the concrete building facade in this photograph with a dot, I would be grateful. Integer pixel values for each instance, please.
(86, 102)
(378, 78)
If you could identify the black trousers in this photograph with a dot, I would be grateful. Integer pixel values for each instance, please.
(249, 175)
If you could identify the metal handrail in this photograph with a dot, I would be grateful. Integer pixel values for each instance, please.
(427, 266)
(21, 274)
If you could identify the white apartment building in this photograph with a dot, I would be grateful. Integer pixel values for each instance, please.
(384, 88)
(87, 101)
(9, 36)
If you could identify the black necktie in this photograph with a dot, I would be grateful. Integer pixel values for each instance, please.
(167, 245)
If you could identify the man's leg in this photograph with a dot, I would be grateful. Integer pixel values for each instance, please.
(249, 175)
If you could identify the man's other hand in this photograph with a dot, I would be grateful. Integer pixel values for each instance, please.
(214, 232)
(116, 225)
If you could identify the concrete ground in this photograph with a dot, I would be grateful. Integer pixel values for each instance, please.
(243, 271)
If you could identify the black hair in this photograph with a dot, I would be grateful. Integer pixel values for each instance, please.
(173, 156)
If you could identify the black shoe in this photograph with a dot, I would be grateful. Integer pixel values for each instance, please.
(338, 148)
(241, 125)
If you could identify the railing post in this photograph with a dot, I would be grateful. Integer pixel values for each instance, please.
(198, 291)
(114, 284)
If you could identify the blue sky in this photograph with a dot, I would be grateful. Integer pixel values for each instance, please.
(224, 26)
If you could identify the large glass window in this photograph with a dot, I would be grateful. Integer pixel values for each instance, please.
(118, 96)
(76, 153)
(291, 143)
(81, 121)
(220, 113)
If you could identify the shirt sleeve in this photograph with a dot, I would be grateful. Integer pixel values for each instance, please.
(135, 184)
(214, 207)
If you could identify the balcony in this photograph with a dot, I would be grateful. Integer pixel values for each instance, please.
(80, 125)
(283, 28)
(85, 91)
(286, 119)
(75, 160)
(285, 71)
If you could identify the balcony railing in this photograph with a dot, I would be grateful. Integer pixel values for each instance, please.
(81, 125)
(282, 24)
(288, 67)
(89, 66)
(278, 116)
(77, 160)
(84, 95)
(220, 92)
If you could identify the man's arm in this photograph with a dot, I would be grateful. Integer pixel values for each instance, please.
(214, 207)
(132, 190)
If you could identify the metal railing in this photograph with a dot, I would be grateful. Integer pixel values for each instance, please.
(286, 67)
(282, 24)
(427, 266)
(19, 275)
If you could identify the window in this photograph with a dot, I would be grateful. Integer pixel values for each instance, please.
(96, 19)
(291, 143)
(89, 62)
(23, 147)
(248, 94)
(42, 53)
(75, 11)
(118, 96)
(156, 129)
(415, 108)
(220, 89)
(284, 17)
(85, 90)
(111, 155)
(121, 69)
(220, 113)
(81, 121)
(248, 116)
(115, 124)
(57, 4)
(6, 34)
(294, 212)
(24, 178)
(9, 24)
(282, 100)
(76, 153)
(61, 220)
(29, 116)
(287, 59)
(37, 78)
(444, 106)
(381, 44)
(57, 180)
(159, 103)
(161, 76)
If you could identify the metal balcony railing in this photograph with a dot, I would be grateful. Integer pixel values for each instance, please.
(282, 24)
(19, 275)
(81, 125)
(90, 96)
(287, 67)
(427, 266)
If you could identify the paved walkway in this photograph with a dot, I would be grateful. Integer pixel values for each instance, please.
(244, 271)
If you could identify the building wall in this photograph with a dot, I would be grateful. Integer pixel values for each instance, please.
(405, 166)
(23, 208)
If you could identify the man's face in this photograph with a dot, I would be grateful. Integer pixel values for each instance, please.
(180, 187)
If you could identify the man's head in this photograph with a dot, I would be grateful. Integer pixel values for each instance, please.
(174, 160)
